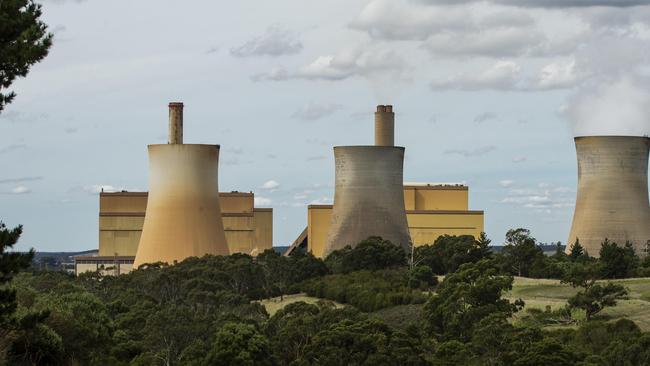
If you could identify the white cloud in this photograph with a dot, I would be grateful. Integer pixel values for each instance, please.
(497, 43)
(519, 159)
(557, 75)
(262, 201)
(548, 3)
(543, 197)
(275, 42)
(21, 190)
(277, 73)
(270, 185)
(506, 183)
(353, 62)
(404, 20)
(315, 111)
(503, 75)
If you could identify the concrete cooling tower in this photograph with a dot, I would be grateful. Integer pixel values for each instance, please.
(183, 216)
(612, 200)
(369, 198)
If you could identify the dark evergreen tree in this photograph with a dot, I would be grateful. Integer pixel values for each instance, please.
(24, 41)
(10, 264)
(616, 261)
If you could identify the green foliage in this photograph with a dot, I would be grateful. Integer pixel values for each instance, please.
(24, 41)
(521, 252)
(448, 253)
(596, 297)
(466, 297)
(422, 277)
(366, 290)
(593, 297)
(240, 344)
(371, 254)
(578, 253)
(10, 264)
(365, 342)
(618, 262)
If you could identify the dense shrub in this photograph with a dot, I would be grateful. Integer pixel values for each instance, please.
(366, 290)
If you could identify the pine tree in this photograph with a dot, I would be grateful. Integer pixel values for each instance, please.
(577, 251)
(24, 41)
(10, 264)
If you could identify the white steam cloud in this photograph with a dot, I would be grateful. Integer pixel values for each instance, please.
(618, 107)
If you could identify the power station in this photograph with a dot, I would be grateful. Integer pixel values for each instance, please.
(368, 197)
(182, 215)
(371, 199)
(612, 199)
(183, 212)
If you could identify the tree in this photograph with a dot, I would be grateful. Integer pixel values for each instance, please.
(24, 41)
(448, 252)
(618, 262)
(521, 251)
(594, 297)
(10, 264)
(277, 272)
(371, 254)
(240, 344)
(362, 343)
(466, 297)
(578, 253)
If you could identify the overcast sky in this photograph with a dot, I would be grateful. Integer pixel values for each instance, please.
(488, 93)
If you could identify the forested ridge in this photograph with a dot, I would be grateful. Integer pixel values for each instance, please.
(398, 311)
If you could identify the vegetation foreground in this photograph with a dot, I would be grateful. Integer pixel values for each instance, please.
(452, 303)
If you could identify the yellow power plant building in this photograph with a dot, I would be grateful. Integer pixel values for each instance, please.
(248, 229)
(432, 210)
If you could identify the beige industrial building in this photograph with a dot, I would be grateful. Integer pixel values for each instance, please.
(612, 199)
(432, 210)
(183, 214)
(372, 200)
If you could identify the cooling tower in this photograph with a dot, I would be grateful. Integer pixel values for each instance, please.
(368, 197)
(612, 200)
(183, 216)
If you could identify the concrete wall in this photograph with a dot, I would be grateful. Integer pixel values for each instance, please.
(183, 217)
(452, 198)
(425, 226)
(612, 199)
(121, 218)
(368, 196)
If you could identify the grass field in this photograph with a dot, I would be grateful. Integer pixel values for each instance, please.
(536, 293)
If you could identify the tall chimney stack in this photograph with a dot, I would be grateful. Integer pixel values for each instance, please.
(175, 123)
(384, 126)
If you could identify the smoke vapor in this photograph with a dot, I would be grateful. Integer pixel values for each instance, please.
(613, 96)
(614, 107)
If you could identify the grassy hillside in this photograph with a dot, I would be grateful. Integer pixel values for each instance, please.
(536, 293)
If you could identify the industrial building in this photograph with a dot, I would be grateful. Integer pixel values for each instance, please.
(432, 210)
(368, 199)
(182, 215)
(612, 198)
(372, 200)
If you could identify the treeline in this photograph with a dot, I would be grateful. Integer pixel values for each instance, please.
(205, 311)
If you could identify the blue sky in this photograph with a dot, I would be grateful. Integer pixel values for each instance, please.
(489, 93)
